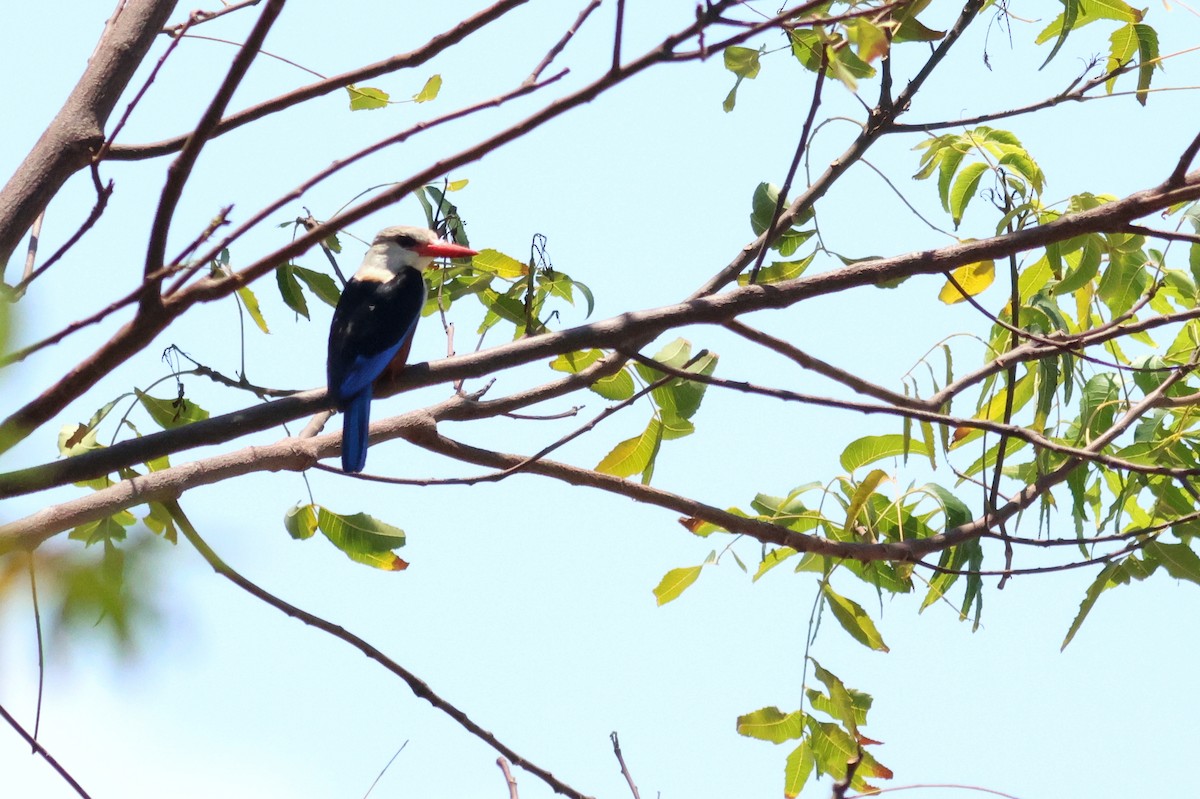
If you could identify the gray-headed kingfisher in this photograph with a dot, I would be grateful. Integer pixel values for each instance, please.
(373, 325)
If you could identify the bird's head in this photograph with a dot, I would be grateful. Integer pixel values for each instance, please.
(414, 247)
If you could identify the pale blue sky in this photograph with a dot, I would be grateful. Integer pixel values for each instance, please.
(528, 604)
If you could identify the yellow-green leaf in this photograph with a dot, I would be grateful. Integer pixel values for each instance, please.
(301, 521)
(250, 303)
(321, 284)
(742, 61)
(171, 413)
(617, 386)
(363, 538)
(772, 724)
(797, 770)
(497, 263)
(964, 188)
(854, 619)
(675, 582)
(76, 439)
(869, 449)
(633, 455)
(973, 278)
(430, 90)
(365, 98)
(862, 494)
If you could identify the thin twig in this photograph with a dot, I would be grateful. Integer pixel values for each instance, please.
(389, 763)
(553, 52)
(1185, 161)
(621, 759)
(774, 230)
(35, 234)
(841, 786)
(41, 750)
(421, 55)
(509, 779)
(806, 361)
(618, 35)
(102, 195)
(415, 684)
(41, 645)
(199, 17)
(104, 148)
(181, 168)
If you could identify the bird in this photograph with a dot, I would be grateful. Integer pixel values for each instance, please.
(373, 325)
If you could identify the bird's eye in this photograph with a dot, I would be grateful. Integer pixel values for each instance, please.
(406, 241)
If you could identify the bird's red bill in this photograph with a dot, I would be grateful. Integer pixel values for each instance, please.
(445, 249)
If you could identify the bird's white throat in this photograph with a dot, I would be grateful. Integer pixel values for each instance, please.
(384, 261)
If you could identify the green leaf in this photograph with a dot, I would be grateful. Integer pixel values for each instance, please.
(617, 386)
(846, 66)
(675, 582)
(497, 263)
(797, 769)
(1086, 268)
(854, 619)
(871, 39)
(1060, 27)
(250, 303)
(289, 289)
(76, 439)
(160, 522)
(320, 284)
(778, 271)
(964, 189)
(110, 528)
(772, 724)
(869, 449)
(674, 426)
(1147, 40)
(1098, 405)
(634, 455)
(365, 98)
(772, 558)
(501, 306)
(841, 704)
(301, 521)
(910, 28)
(430, 90)
(363, 538)
(742, 61)
(171, 413)
(808, 47)
(1178, 559)
(861, 495)
(1124, 281)
(679, 396)
(762, 207)
(1110, 576)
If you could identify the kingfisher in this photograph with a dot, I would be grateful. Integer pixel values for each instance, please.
(373, 325)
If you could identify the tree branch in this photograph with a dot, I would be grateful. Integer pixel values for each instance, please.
(413, 58)
(415, 684)
(67, 144)
(620, 332)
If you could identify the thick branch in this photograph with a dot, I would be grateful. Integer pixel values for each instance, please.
(153, 319)
(618, 332)
(67, 144)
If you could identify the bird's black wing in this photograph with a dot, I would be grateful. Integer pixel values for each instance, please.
(372, 321)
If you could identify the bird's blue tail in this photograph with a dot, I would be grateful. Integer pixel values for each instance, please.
(354, 431)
